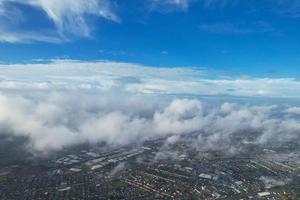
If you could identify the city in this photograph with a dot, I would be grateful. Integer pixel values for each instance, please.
(157, 169)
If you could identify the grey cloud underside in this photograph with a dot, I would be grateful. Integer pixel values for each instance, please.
(64, 103)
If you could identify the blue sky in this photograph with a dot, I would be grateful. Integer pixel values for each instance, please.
(247, 38)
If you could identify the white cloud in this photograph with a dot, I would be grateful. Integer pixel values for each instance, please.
(184, 4)
(179, 4)
(68, 102)
(293, 110)
(27, 37)
(181, 116)
(69, 18)
(134, 78)
(58, 119)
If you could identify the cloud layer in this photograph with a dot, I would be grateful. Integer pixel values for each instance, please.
(60, 120)
(65, 102)
(135, 78)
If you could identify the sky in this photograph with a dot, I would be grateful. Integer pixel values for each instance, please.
(248, 38)
(122, 71)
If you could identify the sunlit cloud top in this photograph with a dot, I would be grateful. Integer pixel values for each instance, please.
(135, 78)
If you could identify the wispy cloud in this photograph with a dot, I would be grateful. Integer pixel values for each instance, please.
(288, 8)
(68, 17)
(29, 37)
(171, 4)
(164, 52)
(237, 29)
(285, 8)
(224, 28)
